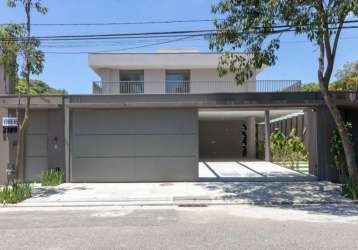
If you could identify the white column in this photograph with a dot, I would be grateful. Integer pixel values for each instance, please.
(67, 140)
(267, 136)
(251, 137)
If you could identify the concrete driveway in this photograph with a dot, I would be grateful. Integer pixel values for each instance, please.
(257, 171)
(272, 193)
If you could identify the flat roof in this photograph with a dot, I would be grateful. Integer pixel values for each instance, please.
(154, 60)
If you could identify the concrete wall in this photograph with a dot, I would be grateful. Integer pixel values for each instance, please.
(42, 151)
(202, 81)
(4, 151)
(220, 139)
(325, 124)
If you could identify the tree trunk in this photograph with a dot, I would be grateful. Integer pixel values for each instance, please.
(342, 130)
(19, 163)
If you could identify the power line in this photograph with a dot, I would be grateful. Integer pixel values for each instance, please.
(124, 49)
(158, 34)
(145, 22)
(124, 23)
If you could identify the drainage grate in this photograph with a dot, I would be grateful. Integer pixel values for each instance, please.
(193, 205)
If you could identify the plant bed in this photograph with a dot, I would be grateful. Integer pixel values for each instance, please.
(14, 193)
(52, 177)
(350, 190)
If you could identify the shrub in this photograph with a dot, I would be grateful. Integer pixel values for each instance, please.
(52, 177)
(15, 193)
(287, 148)
(338, 152)
(350, 190)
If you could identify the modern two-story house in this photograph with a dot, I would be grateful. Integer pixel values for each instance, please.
(154, 117)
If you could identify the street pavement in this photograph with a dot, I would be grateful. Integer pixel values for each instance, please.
(311, 226)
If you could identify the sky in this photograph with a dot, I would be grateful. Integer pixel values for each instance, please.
(297, 58)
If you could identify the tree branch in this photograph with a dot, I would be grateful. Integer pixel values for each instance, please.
(321, 64)
(336, 39)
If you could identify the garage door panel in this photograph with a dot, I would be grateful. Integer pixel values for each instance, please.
(165, 121)
(34, 167)
(103, 170)
(104, 145)
(38, 122)
(166, 169)
(101, 122)
(36, 145)
(165, 145)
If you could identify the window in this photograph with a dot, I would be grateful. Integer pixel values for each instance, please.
(131, 81)
(177, 81)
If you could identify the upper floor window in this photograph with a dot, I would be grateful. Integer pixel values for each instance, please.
(131, 81)
(177, 81)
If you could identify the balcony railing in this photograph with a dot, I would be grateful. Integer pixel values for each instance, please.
(193, 87)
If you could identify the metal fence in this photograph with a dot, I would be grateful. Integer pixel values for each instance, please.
(194, 87)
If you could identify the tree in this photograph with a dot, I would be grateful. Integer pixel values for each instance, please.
(347, 79)
(349, 69)
(33, 64)
(256, 26)
(9, 49)
(38, 87)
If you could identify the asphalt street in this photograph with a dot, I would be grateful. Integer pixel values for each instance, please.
(222, 227)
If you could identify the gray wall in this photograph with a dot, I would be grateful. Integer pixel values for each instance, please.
(134, 145)
(4, 152)
(40, 150)
(220, 139)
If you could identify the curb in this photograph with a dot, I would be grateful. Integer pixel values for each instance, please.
(180, 203)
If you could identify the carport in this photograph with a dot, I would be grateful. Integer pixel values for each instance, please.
(232, 133)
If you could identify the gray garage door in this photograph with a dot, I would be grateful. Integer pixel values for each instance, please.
(134, 145)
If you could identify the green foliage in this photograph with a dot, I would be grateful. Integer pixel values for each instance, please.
(287, 148)
(348, 70)
(337, 152)
(15, 193)
(347, 79)
(27, 45)
(9, 48)
(52, 177)
(254, 27)
(350, 83)
(310, 87)
(260, 150)
(350, 190)
(29, 4)
(38, 87)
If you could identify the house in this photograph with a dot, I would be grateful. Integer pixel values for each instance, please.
(154, 116)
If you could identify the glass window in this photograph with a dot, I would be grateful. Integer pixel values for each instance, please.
(131, 81)
(177, 81)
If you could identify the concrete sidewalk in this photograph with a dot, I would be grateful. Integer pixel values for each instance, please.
(212, 193)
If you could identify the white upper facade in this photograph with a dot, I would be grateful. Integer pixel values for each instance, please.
(163, 72)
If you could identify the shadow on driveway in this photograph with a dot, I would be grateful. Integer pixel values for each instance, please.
(313, 197)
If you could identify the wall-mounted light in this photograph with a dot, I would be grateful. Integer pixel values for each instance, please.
(55, 143)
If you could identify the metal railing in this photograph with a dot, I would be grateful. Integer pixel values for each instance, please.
(193, 87)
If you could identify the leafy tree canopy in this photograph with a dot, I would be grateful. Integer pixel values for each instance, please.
(347, 79)
(38, 87)
(255, 27)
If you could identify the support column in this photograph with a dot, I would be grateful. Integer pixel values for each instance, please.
(267, 135)
(251, 137)
(67, 140)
